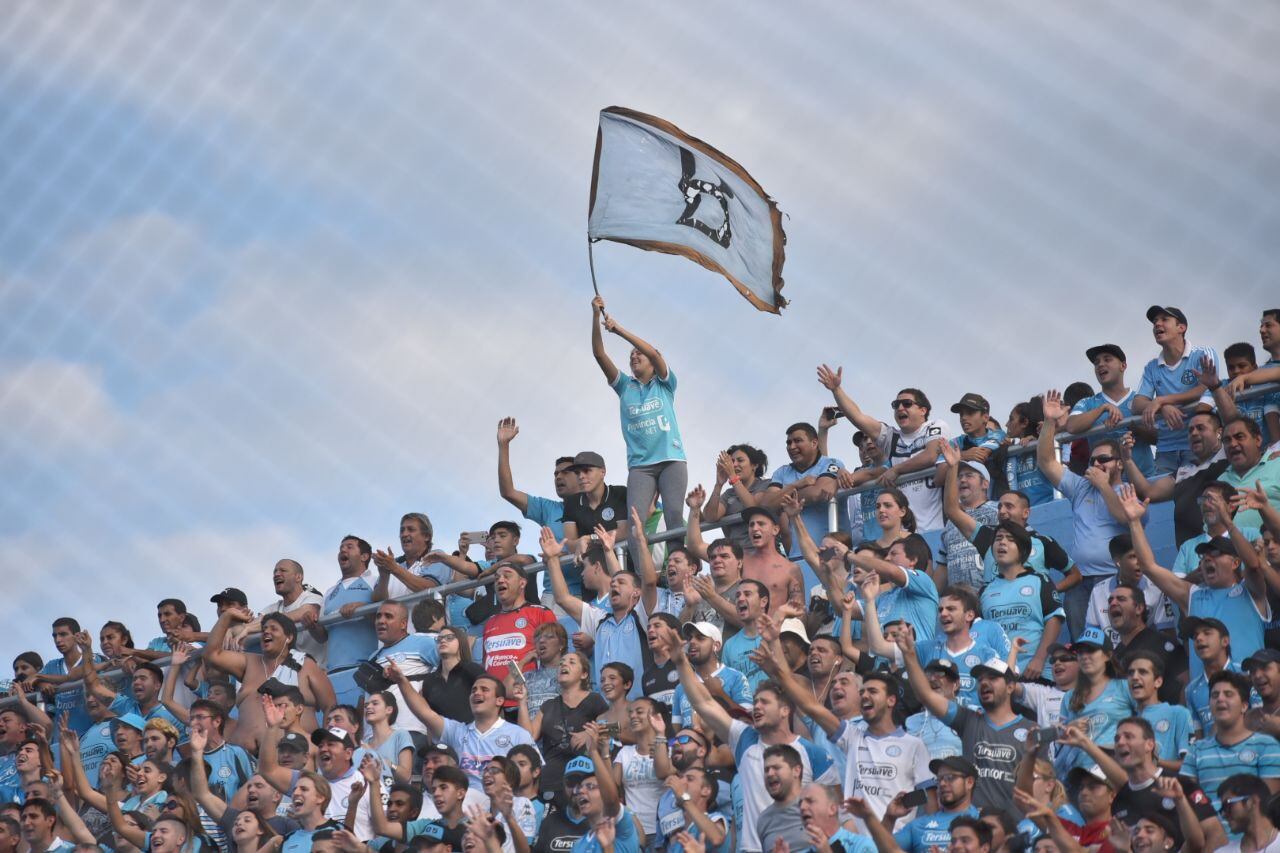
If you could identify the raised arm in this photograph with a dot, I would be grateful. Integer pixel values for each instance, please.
(644, 564)
(1046, 447)
(1158, 490)
(876, 642)
(199, 780)
(847, 604)
(87, 671)
(604, 771)
(598, 318)
(648, 350)
(269, 767)
(128, 831)
(1258, 572)
(933, 701)
(378, 820)
(768, 656)
(1072, 735)
(67, 813)
(520, 693)
(73, 768)
(417, 703)
(551, 549)
(831, 380)
(231, 662)
(693, 530)
(695, 691)
(726, 609)
(389, 567)
(1178, 590)
(507, 431)
(962, 521)
(168, 696)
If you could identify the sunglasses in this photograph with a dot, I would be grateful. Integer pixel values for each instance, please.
(902, 404)
(1101, 460)
(1063, 659)
(1231, 801)
(684, 739)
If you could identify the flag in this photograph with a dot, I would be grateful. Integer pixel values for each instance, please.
(656, 187)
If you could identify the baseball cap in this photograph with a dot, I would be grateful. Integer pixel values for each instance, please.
(275, 688)
(587, 459)
(946, 666)
(1094, 772)
(706, 629)
(579, 766)
(794, 627)
(1260, 657)
(1092, 353)
(973, 402)
(759, 510)
(133, 721)
(1221, 544)
(335, 733)
(1092, 637)
(432, 831)
(442, 748)
(230, 595)
(995, 666)
(1191, 624)
(1156, 310)
(515, 567)
(293, 741)
(979, 467)
(958, 763)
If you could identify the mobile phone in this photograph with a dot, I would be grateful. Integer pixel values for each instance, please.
(516, 674)
(831, 413)
(613, 730)
(1046, 735)
(828, 553)
(914, 799)
(476, 537)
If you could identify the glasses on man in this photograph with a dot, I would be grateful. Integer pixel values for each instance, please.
(902, 404)
(1231, 801)
(1101, 459)
(948, 778)
(1062, 659)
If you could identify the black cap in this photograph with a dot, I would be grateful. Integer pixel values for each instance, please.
(515, 567)
(1191, 624)
(277, 689)
(958, 763)
(972, 401)
(946, 666)
(293, 741)
(1156, 310)
(231, 595)
(1260, 657)
(442, 748)
(1221, 544)
(760, 510)
(587, 459)
(1092, 353)
(343, 736)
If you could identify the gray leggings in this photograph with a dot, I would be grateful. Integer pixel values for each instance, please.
(668, 479)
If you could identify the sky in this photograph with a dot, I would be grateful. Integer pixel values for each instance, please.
(271, 274)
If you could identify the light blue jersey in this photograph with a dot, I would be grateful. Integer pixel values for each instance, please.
(916, 603)
(626, 837)
(70, 700)
(1211, 762)
(1093, 525)
(735, 687)
(649, 419)
(546, 512)
(1023, 607)
(939, 738)
(475, 748)
(1173, 726)
(1160, 380)
(1143, 456)
(1198, 698)
(1188, 560)
(1047, 556)
(965, 660)
(354, 641)
(624, 641)
(930, 831)
(127, 705)
(1238, 611)
(737, 655)
(814, 515)
(230, 766)
(1025, 475)
(991, 633)
(95, 744)
(849, 842)
(415, 655)
(1102, 715)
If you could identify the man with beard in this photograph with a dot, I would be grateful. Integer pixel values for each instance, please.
(1158, 612)
(751, 602)
(301, 603)
(1208, 461)
(939, 739)
(1247, 467)
(1244, 801)
(687, 752)
(145, 687)
(810, 476)
(956, 777)
(562, 827)
(780, 822)
(1127, 617)
(882, 759)
(702, 648)
(1111, 405)
(995, 737)
(958, 608)
(1215, 525)
(1142, 789)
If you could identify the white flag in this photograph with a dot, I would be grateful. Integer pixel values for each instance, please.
(655, 187)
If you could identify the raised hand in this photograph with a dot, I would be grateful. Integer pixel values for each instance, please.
(393, 673)
(1207, 373)
(1134, 507)
(1255, 498)
(1054, 408)
(605, 832)
(859, 808)
(1170, 788)
(385, 560)
(907, 643)
(724, 468)
(181, 654)
(597, 305)
(950, 454)
(830, 379)
(696, 498)
(357, 790)
(610, 537)
(870, 586)
(551, 547)
(273, 715)
(507, 431)
(792, 504)
(198, 739)
(371, 769)
(1097, 477)
(691, 843)
(1119, 835)
(85, 641)
(637, 528)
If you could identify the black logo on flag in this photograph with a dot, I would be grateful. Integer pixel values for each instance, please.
(694, 189)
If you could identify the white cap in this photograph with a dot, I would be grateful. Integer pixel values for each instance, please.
(706, 629)
(796, 627)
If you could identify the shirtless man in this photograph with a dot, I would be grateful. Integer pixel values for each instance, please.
(278, 660)
(761, 559)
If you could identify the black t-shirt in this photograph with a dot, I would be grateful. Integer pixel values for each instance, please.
(659, 681)
(1130, 804)
(1188, 522)
(612, 509)
(1168, 650)
(559, 722)
(559, 832)
(451, 697)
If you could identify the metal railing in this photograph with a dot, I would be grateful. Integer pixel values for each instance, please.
(678, 533)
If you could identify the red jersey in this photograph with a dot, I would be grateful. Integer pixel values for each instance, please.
(508, 637)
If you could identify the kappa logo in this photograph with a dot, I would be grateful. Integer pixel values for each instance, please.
(694, 189)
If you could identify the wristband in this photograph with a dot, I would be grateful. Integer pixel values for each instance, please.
(735, 480)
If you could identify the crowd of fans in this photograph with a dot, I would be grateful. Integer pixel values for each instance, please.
(932, 674)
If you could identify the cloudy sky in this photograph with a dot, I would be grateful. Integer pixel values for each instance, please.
(271, 274)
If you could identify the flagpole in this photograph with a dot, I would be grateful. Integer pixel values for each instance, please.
(591, 262)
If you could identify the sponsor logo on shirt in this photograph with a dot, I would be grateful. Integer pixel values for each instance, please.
(998, 752)
(505, 642)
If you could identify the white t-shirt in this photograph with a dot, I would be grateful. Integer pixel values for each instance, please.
(1046, 701)
(897, 447)
(879, 767)
(1160, 611)
(641, 786)
(306, 643)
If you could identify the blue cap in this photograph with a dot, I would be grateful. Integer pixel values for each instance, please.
(1094, 637)
(133, 721)
(433, 831)
(579, 766)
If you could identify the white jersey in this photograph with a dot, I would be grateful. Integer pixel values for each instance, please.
(641, 786)
(879, 767)
(475, 797)
(340, 790)
(897, 447)
(748, 754)
(1160, 610)
(305, 643)
(1046, 701)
